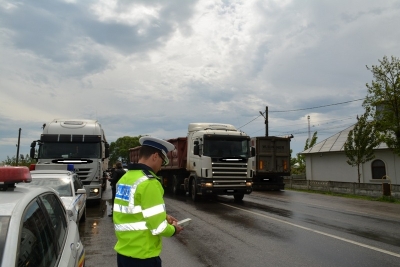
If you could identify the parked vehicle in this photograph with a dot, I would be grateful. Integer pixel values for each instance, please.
(35, 227)
(66, 182)
(271, 162)
(214, 159)
(78, 142)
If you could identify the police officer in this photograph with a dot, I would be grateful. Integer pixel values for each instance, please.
(140, 218)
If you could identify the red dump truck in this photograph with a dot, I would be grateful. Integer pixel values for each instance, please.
(214, 159)
(271, 162)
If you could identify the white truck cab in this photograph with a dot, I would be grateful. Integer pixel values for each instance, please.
(80, 142)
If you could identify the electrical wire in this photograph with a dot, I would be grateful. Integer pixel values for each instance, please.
(318, 106)
(276, 111)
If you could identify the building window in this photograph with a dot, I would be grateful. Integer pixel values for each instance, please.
(378, 169)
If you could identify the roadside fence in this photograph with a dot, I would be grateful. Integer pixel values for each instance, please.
(363, 189)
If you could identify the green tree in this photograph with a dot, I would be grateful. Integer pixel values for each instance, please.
(383, 100)
(22, 161)
(119, 150)
(293, 161)
(360, 143)
(300, 160)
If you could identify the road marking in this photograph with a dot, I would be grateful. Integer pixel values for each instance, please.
(319, 232)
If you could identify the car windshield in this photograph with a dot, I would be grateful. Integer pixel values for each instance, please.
(62, 186)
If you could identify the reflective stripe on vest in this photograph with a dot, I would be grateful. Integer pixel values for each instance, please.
(140, 226)
(153, 210)
(122, 194)
(130, 226)
(137, 209)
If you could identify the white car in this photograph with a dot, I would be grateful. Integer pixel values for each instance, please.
(35, 227)
(61, 178)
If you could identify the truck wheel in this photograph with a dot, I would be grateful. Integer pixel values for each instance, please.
(238, 197)
(195, 196)
(175, 185)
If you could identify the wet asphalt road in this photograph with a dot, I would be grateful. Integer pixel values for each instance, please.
(284, 228)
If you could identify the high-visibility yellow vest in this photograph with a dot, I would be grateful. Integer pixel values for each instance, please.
(139, 215)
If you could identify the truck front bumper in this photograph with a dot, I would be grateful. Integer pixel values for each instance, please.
(225, 188)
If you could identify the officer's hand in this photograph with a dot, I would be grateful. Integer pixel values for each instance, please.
(178, 228)
(171, 219)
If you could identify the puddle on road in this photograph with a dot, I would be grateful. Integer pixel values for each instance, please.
(97, 209)
(96, 212)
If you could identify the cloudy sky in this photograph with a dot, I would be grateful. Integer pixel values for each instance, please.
(151, 67)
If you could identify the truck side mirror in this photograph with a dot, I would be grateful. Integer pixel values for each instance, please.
(253, 151)
(32, 151)
(196, 148)
(107, 150)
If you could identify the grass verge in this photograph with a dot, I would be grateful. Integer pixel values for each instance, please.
(388, 199)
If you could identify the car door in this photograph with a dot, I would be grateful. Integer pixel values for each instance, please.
(37, 246)
(80, 198)
(66, 233)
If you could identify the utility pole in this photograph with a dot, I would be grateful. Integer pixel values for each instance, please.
(309, 131)
(19, 137)
(266, 119)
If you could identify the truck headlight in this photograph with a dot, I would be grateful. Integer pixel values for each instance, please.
(94, 190)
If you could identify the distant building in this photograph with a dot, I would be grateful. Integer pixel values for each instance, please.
(326, 161)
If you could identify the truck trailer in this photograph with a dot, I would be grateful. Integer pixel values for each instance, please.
(271, 161)
(213, 159)
(79, 142)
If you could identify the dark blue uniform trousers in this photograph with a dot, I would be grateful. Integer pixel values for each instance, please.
(124, 261)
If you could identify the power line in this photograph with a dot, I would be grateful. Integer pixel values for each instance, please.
(315, 124)
(250, 121)
(321, 129)
(318, 122)
(276, 111)
(319, 106)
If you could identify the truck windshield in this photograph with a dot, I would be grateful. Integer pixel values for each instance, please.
(226, 147)
(69, 150)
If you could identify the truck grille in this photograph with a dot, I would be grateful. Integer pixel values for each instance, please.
(83, 173)
(229, 170)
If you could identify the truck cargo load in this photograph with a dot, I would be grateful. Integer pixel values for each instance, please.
(271, 162)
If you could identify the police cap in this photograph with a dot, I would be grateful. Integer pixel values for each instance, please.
(160, 144)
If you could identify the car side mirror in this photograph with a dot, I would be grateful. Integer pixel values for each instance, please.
(81, 191)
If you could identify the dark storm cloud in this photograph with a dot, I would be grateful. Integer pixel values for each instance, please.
(42, 31)
(57, 31)
(128, 39)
